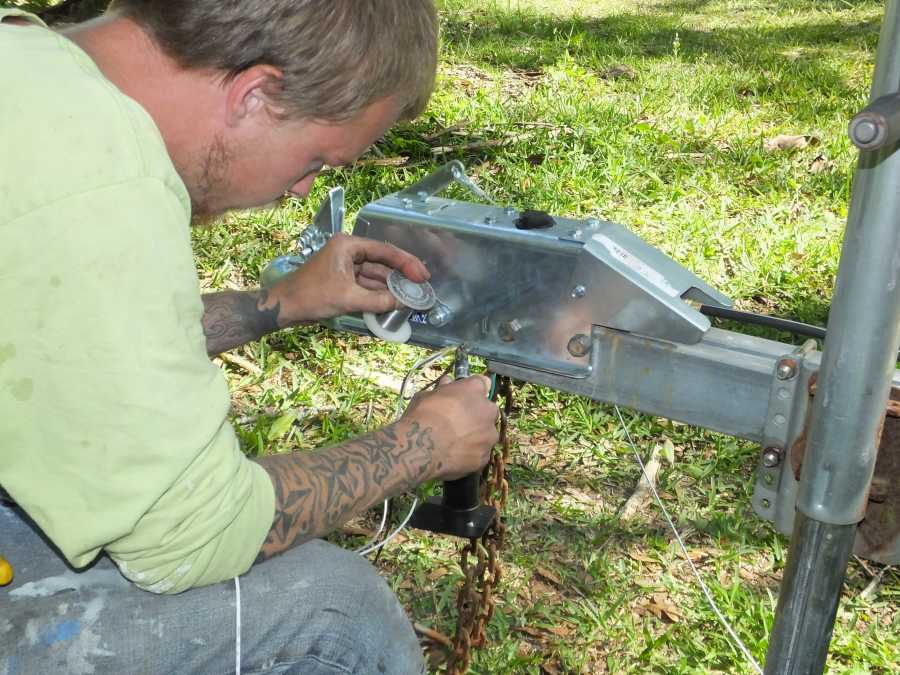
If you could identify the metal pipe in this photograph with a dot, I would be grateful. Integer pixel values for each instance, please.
(817, 559)
(857, 367)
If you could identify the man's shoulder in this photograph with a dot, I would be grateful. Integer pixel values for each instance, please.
(68, 129)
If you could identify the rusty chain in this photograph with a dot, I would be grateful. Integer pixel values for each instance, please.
(475, 601)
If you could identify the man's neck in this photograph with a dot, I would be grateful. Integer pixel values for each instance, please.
(180, 101)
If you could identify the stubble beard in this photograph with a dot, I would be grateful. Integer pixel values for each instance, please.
(210, 185)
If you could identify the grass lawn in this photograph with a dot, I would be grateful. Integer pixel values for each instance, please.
(660, 115)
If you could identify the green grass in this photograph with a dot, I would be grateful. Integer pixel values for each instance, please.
(675, 149)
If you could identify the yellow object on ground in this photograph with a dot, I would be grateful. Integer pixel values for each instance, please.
(6, 571)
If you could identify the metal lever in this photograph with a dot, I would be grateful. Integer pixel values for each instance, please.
(462, 493)
(458, 511)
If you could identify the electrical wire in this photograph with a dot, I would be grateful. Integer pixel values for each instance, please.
(395, 532)
(375, 536)
(237, 626)
(712, 603)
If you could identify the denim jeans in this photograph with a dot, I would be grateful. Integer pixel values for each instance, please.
(317, 609)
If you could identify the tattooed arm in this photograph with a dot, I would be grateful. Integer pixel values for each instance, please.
(316, 492)
(234, 318)
(446, 433)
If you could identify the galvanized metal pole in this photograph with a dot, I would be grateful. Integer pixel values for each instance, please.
(857, 366)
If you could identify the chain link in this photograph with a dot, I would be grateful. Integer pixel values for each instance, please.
(475, 601)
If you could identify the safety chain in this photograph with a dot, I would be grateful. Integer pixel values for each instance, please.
(475, 602)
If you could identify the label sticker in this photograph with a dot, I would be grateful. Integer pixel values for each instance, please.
(637, 265)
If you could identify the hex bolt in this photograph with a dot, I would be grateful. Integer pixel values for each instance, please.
(787, 368)
(490, 220)
(575, 234)
(422, 195)
(579, 291)
(771, 457)
(407, 203)
(579, 345)
(439, 315)
(510, 211)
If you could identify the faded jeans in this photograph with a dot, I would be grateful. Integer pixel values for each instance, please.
(316, 609)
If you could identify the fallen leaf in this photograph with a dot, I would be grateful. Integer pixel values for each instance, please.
(820, 164)
(533, 632)
(618, 72)
(642, 557)
(789, 142)
(563, 630)
(548, 575)
(668, 451)
(663, 608)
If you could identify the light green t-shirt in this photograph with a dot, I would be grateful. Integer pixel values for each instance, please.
(113, 430)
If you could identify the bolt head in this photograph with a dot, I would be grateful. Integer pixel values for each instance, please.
(771, 457)
(579, 345)
(786, 369)
(865, 131)
(422, 195)
(407, 202)
(579, 291)
(439, 316)
(490, 220)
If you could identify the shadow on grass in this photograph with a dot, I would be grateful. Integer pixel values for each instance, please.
(758, 60)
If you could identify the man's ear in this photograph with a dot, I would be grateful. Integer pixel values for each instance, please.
(250, 92)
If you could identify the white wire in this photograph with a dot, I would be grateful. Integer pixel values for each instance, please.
(709, 598)
(395, 532)
(237, 626)
(380, 529)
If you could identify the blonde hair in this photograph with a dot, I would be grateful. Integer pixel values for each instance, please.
(337, 56)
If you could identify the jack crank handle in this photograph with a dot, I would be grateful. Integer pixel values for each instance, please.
(462, 494)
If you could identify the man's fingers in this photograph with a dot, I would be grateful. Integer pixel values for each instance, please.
(371, 251)
(485, 382)
(371, 284)
(376, 301)
(373, 270)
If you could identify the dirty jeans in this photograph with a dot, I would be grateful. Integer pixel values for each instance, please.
(314, 610)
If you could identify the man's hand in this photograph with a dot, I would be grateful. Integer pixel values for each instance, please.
(445, 434)
(349, 274)
(463, 423)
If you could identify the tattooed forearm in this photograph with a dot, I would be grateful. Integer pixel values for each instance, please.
(317, 491)
(234, 318)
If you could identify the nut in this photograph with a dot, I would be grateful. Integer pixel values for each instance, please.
(771, 457)
(579, 345)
